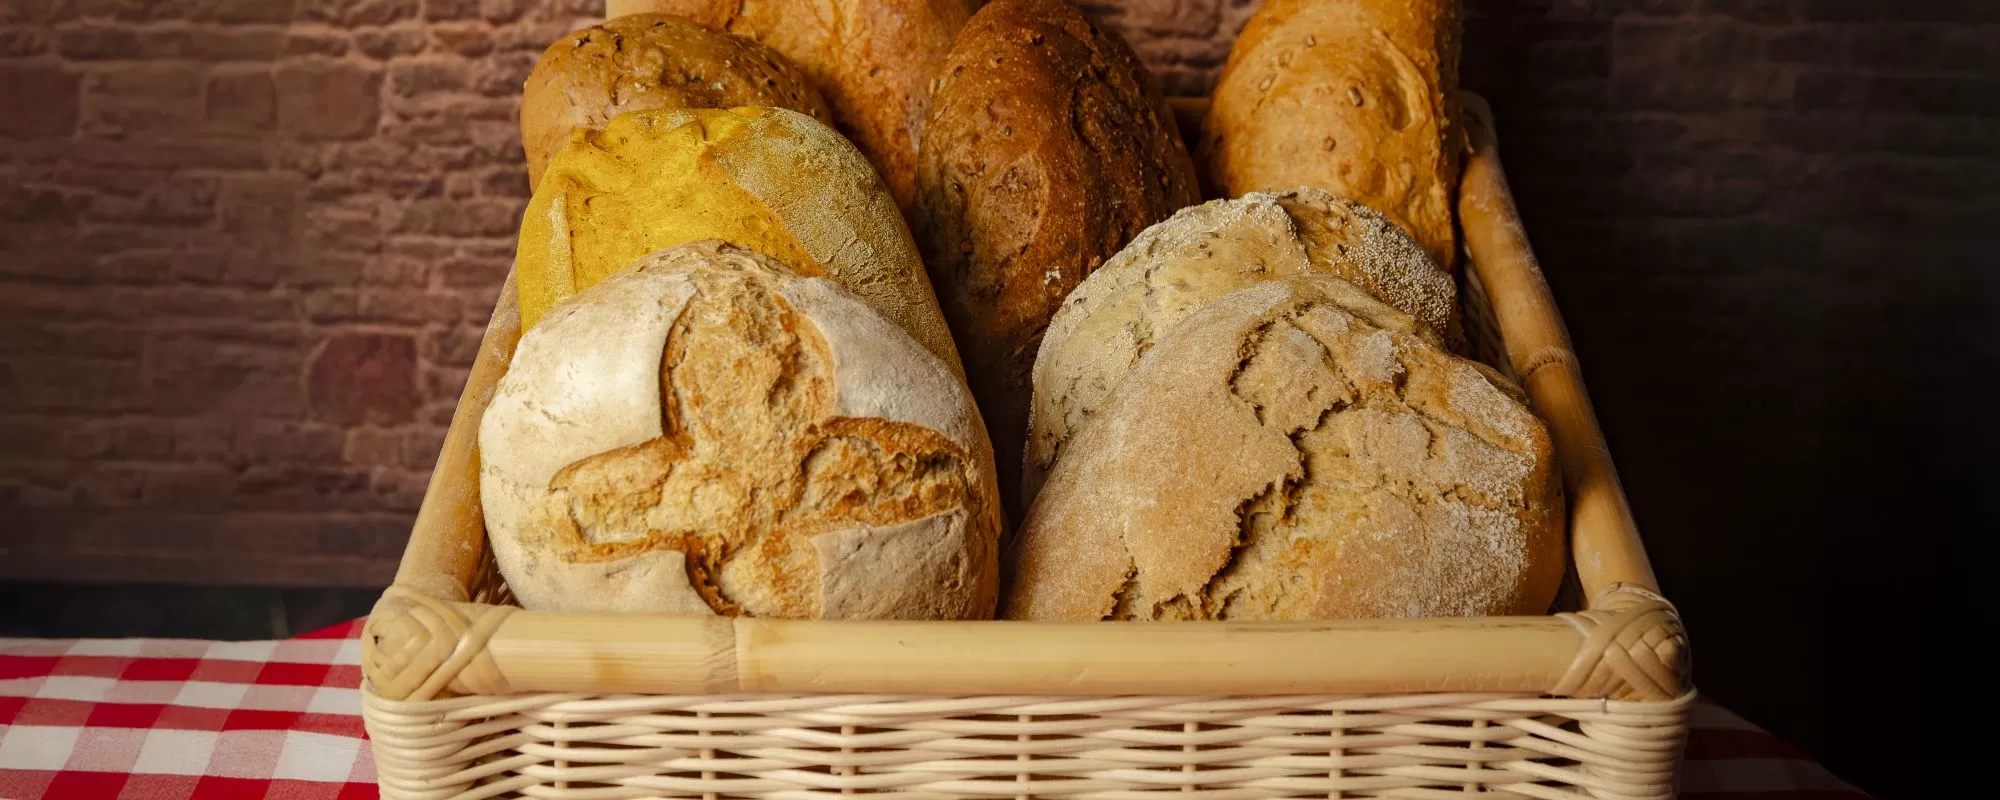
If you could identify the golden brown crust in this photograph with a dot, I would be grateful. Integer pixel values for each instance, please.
(1048, 148)
(1201, 253)
(1297, 450)
(650, 61)
(874, 61)
(1359, 98)
(717, 456)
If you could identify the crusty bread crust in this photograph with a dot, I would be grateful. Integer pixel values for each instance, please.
(708, 433)
(1358, 97)
(765, 179)
(1048, 148)
(641, 61)
(1297, 450)
(1199, 254)
(873, 60)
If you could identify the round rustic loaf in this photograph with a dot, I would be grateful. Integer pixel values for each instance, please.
(873, 60)
(1297, 450)
(1359, 98)
(1048, 148)
(1202, 253)
(650, 61)
(764, 179)
(709, 433)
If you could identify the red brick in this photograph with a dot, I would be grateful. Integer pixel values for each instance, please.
(327, 100)
(469, 39)
(260, 206)
(390, 43)
(109, 486)
(362, 377)
(23, 42)
(315, 43)
(399, 489)
(421, 447)
(213, 375)
(93, 41)
(461, 218)
(43, 100)
(212, 43)
(435, 10)
(149, 98)
(269, 442)
(242, 100)
(72, 385)
(191, 487)
(372, 446)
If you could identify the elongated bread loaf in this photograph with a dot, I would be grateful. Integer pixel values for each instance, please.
(708, 433)
(873, 60)
(769, 180)
(650, 61)
(1200, 254)
(1048, 148)
(1358, 97)
(1297, 450)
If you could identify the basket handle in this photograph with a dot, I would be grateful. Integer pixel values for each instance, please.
(448, 539)
(1604, 538)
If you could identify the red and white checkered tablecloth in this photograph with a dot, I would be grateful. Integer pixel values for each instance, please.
(154, 719)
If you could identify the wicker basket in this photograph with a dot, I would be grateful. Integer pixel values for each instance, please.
(468, 696)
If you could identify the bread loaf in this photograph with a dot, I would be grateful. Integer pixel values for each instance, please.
(1358, 97)
(1297, 450)
(873, 60)
(708, 433)
(1200, 254)
(1048, 148)
(650, 61)
(764, 179)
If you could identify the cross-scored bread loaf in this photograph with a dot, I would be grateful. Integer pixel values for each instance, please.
(650, 61)
(709, 433)
(1297, 450)
(1200, 254)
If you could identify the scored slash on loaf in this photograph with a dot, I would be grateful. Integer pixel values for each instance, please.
(705, 432)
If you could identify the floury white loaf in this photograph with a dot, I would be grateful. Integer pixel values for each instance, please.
(708, 433)
(1297, 450)
(1199, 254)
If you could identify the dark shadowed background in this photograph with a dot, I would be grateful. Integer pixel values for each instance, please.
(247, 248)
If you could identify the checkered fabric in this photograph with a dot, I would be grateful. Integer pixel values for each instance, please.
(149, 719)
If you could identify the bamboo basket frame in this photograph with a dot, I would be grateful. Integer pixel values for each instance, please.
(467, 696)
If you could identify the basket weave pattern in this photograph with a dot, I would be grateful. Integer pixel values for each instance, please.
(1423, 745)
(467, 696)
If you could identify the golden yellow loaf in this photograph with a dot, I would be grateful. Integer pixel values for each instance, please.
(642, 61)
(768, 180)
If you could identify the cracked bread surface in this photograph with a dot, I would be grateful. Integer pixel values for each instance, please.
(1297, 450)
(1048, 147)
(706, 433)
(640, 61)
(1199, 254)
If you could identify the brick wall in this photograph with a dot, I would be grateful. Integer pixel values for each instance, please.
(249, 248)
(249, 244)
